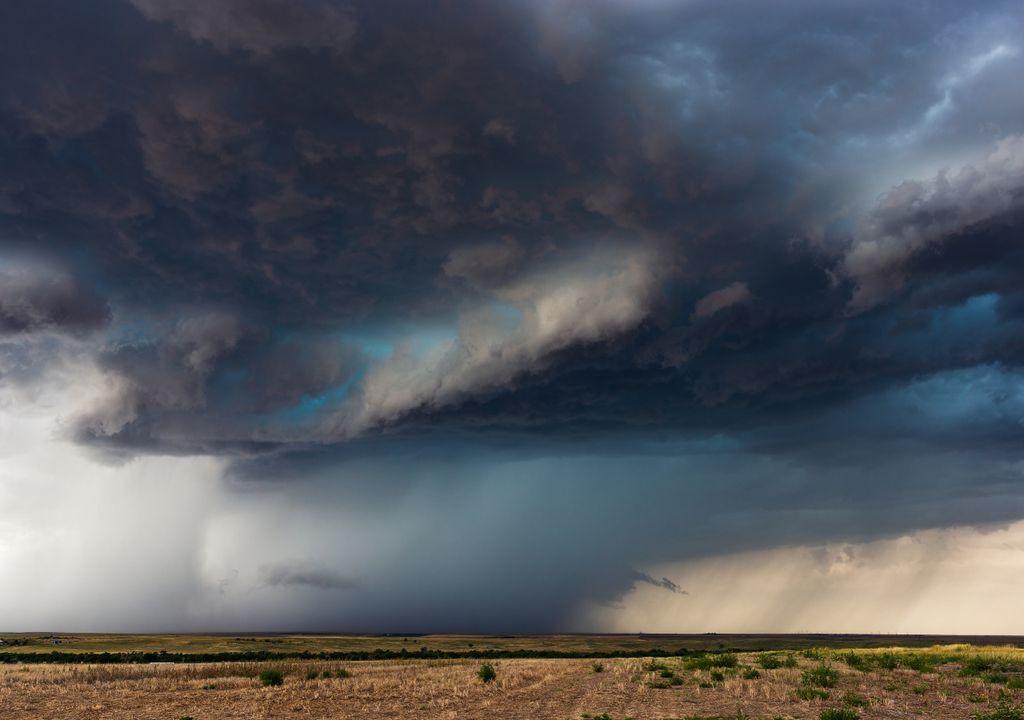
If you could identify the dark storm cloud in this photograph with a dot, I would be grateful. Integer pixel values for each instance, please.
(332, 233)
(36, 302)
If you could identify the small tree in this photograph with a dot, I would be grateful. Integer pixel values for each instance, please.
(486, 673)
(272, 677)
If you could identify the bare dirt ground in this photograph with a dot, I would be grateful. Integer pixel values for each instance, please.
(524, 689)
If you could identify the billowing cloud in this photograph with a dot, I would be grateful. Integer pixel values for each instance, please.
(919, 216)
(527, 323)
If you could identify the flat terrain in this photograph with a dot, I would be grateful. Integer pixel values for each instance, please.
(298, 643)
(948, 682)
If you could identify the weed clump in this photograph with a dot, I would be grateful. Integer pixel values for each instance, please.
(821, 676)
(486, 673)
(272, 678)
(809, 693)
(598, 667)
(751, 674)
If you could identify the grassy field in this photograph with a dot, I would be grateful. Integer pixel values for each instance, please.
(596, 644)
(944, 682)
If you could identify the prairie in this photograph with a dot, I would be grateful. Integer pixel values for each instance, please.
(948, 682)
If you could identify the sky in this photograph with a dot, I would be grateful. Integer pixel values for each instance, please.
(511, 316)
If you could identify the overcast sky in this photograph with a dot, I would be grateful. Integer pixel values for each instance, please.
(532, 315)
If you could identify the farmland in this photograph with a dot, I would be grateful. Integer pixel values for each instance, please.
(941, 681)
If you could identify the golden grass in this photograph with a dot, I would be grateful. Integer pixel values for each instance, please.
(450, 690)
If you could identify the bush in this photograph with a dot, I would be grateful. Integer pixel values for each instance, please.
(716, 676)
(1016, 683)
(809, 693)
(707, 662)
(839, 714)
(821, 676)
(1005, 711)
(598, 667)
(486, 673)
(312, 674)
(751, 674)
(272, 678)
(855, 700)
(769, 662)
(857, 662)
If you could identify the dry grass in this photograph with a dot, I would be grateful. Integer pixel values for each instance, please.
(449, 689)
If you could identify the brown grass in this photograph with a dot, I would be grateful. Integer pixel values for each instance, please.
(449, 689)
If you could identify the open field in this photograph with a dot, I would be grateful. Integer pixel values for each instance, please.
(288, 643)
(947, 682)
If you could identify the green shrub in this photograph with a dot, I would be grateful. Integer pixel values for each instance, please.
(1015, 683)
(920, 663)
(821, 676)
(666, 673)
(769, 662)
(811, 653)
(598, 667)
(312, 674)
(919, 689)
(707, 662)
(975, 666)
(855, 700)
(342, 673)
(751, 674)
(789, 661)
(717, 676)
(486, 673)
(887, 661)
(809, 693)
(857, 662)
(839, 714)
(997, 678)
(1005, 711)
(272, 678)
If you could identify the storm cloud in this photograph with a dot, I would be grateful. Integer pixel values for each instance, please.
(504, 306)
